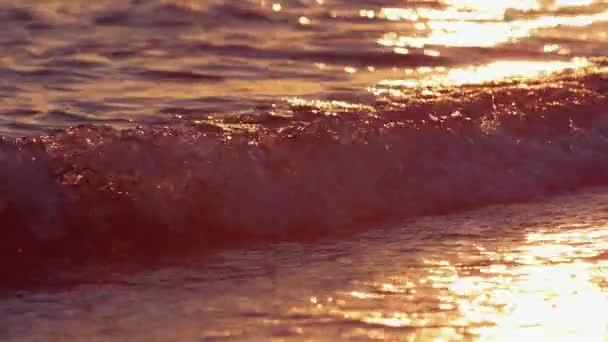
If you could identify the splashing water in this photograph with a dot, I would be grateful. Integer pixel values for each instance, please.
(147, 130)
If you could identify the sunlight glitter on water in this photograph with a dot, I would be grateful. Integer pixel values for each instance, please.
(543, 289)
(487, 275)
(545, 296)
(480, 23)
(499, 71)
(316, 73)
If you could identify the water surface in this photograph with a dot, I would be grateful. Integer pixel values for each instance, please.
(193, 170)
(533, 271)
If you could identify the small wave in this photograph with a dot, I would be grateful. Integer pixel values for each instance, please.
(181, 14)
(16, 14)
(240, 13)
(175, 75)
(161, 15)
(360, 58)
(306, 170)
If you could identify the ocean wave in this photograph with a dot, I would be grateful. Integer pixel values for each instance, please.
(302, 169)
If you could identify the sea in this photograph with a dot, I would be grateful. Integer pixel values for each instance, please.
(304, 170)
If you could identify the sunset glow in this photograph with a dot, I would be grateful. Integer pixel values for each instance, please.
(304, 170)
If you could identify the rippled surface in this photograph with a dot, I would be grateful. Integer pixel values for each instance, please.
(520, 272)
(71, 62)
(239, 132)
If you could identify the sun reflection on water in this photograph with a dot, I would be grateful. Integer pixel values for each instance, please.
(548, 284)
(499, 71)
(474, 23)
(546, 288)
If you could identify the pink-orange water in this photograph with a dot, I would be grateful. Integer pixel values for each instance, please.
(177, 137)
(519, 272)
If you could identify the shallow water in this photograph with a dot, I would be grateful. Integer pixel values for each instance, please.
(208, 169)
(534, 271)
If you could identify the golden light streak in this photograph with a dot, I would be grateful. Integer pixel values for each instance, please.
(474, 23)
(498, 71)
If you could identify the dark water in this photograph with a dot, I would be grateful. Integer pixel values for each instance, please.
(148, 131)
(527, 272)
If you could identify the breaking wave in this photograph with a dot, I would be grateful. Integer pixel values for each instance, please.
(304, 169)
